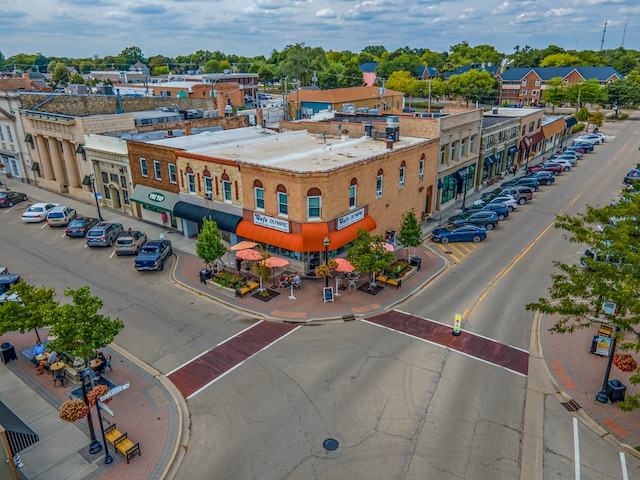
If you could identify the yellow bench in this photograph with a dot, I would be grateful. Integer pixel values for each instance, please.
(389, 281)
(241, 292)
(122, 442)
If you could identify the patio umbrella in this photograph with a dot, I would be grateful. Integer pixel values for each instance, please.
(249, 254)
(275, 262)
(344, 265)
(244, 245)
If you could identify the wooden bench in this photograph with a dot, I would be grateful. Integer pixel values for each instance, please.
(241, 292)
(389, 281)
(122, 442)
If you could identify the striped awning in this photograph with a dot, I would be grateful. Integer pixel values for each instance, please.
(19, 435)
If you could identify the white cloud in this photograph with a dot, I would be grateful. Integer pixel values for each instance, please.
(326, 13)
(559, 12)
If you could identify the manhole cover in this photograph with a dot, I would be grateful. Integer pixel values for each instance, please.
(330, 444)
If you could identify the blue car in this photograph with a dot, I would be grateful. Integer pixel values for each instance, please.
(459, 233)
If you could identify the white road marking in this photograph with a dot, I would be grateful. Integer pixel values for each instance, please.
(63, 235)
(623, 464)
(112, 254)
(44, 225)
(576, 448)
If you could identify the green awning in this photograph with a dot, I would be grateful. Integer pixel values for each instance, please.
(154, 198)
(80, 148)
(28, 138)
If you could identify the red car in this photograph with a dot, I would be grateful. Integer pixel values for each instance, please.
(553, 167)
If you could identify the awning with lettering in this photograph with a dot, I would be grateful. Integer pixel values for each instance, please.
(288, 241)
(197, 214)
(154, 198)
(19, 435)
(340, 238)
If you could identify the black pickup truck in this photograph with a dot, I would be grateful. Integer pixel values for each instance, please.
(153, 254)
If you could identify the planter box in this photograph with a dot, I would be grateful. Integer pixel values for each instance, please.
(225, 290)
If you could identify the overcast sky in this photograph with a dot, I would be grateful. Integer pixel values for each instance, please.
(82, 28)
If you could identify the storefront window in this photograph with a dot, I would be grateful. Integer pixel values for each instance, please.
(448, 188)
(125, 196)
(105, 178)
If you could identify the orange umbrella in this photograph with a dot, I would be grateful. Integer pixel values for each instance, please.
(275, 262)
(344, 265)
(244, 245)
(249, 254)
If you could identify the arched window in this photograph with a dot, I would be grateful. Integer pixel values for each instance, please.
(208, 184)
(283, 200)
(191, 180)
(403, 169)
(258, 195)
(314, 204)
(226, 188)
(421, 167)
(353, 193)
(379, 184)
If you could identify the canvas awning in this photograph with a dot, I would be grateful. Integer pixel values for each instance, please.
(19, 435)
(512, 150)
(197, 214)
(490, 160)
(154, 198)
(571, 121)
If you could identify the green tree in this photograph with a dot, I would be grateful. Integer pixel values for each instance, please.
(77, 78)
(31, 312)
(473, 85)
(410, 233)
(408, 62)
(625, 92)
(209, 246)
(79, 328)
(51, 67)
(60, 75)
(351, 75)
(554, 93)
(577, 294)
(129, 56)
(401, 81)
(560, 60)
(368, 255)
(160, 70)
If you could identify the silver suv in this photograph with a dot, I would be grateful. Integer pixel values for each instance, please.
(103, 234)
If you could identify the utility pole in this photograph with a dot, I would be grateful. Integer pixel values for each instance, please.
(603, 32)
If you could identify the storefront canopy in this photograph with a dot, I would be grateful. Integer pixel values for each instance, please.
(491, 159)
(19, 435)
(552, 128)
(196, 213)
(571, 121)
(512, 150)
(340, 238)
(155, 199)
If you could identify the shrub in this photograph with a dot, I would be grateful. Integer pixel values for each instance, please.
(578, 127)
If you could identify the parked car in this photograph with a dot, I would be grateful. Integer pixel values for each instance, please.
(574, 152)
(566, 164)
(482, 218)
(459, 233)
(153, 254)
(130, 242)
(79, 226)
(521, 193)
(573, 148)
(37, 212)
(499, 208)
(490, 193)
(586, 146)
(9, 199)
(408, 109)
(508, 200)
(523, 181)
(103, 234)
(631, 177)
(60, 216)
(7, 281)
(567, 157)
(592, 139)
(556, 169)
(544, 177)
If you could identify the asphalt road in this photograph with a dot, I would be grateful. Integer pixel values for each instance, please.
(398, 407)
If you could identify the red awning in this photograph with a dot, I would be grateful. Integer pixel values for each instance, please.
(536, 138)
(340, 238)
(313, 235)
(288, 241)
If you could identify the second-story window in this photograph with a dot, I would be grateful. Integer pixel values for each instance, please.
(226, 190)
(353, 194)
(191, 183)
(9, 136)
(1, 135)
(172, 173)
(143, 167)
(314, 204)
(421, 168)
(443, 150)
(472, 142)
(259, 197)
(462, 146)
(208, 185)
(156, 169)
(379, 183)
(283, 201)
(402, 172)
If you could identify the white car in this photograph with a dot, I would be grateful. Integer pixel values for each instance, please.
(592, 139)
(508, 200)
(37, 212)
(566, 164)
(569, 158)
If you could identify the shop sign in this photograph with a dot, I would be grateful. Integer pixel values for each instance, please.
(156, 197)
(350, 219)
(271, 222)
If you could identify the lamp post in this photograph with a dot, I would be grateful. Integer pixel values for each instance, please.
(602, 396)
(326, 242)
(95, 195)
(95, 446)
(527, 141)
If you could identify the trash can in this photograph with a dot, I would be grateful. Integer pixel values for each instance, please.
(415, 261)
(205, 274)
(616, 390)
(7, 352)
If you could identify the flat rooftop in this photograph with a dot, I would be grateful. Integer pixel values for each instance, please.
(300, 151)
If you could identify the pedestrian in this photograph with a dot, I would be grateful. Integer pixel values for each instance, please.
(238, 264)
(38, 349)
(164, 219)
(515, 169)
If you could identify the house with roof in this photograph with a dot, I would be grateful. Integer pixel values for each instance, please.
(488, 67)
(426, 73)
(140, 68)
(304, 103)
(524, 85)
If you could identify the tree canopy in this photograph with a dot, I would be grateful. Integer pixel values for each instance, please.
(31, 312)
(611, 273)
(367, 253)
(209, 246)
(410, 233)
(473, 85)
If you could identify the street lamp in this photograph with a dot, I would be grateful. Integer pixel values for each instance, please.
(527, 141)
(95, 446)
(326, 242)
(602, 396)
(95, 195)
